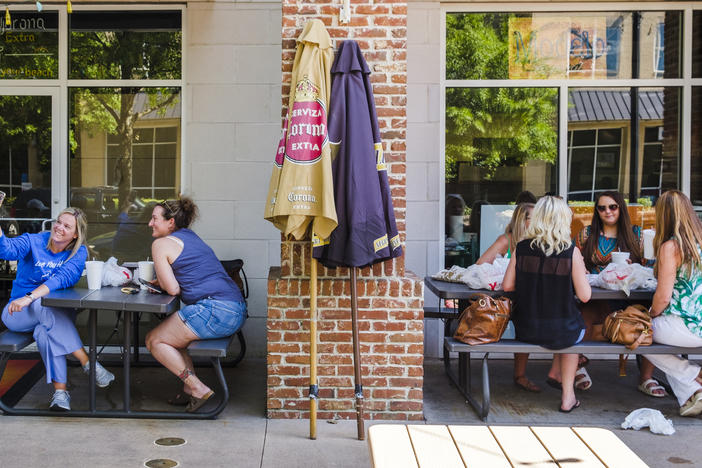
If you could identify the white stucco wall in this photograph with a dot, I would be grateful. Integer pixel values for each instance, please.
(232, 115)
(423, 133)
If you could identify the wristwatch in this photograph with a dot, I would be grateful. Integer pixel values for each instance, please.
(30, 295)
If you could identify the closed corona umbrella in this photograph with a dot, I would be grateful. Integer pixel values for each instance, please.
(300, 192)
(367, 232)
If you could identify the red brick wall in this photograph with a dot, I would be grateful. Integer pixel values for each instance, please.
(389, 299)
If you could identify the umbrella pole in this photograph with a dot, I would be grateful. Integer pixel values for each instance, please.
(358, 384)
(313, 346)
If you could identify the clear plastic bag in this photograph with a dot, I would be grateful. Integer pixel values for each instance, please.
(115, 275)
(625, 277)
(485, 276)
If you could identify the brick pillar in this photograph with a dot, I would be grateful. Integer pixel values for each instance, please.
(390, 300)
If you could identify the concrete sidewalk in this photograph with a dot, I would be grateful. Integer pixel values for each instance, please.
(243, 437)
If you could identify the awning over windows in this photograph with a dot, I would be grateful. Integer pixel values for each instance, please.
(607, 105)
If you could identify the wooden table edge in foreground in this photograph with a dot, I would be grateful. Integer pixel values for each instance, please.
(448, 446)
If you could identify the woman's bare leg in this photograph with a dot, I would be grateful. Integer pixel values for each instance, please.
(81, 355)
(646, 372)
(555, 371)
(167, 343)
(569, 364)
(520, 377)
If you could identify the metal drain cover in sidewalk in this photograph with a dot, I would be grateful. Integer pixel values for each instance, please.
(161, 463)
(170, 441)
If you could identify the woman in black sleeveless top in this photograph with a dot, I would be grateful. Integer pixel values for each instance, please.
(546, 273)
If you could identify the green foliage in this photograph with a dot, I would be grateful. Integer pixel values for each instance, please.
(125, 55)
(492, 127)
(476, 46)
(645, 202)
(27, 120)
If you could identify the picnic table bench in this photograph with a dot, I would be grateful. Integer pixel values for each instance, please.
(462, 379)
(425, 446)
(215, 349)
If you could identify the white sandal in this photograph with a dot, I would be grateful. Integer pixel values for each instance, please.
(584, 382)
(649, 389)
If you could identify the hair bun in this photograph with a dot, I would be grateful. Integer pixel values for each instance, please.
(188, 209)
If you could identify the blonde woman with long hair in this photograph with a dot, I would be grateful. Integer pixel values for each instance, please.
(515, 231)
(48, 261)
(677, 303)
(504, 245)
(546, 272)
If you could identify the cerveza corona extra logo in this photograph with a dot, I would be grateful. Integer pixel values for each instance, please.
(301, 197)
(307, 131)
(23, 24)
(280, 153)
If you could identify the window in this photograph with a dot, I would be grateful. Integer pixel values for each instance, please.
(29, 48)
(530, 106)
(652, 167)
(154, 157)
(124, 140)
(118, 93)
(594, 157)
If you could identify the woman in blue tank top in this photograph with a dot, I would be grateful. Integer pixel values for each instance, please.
(214, 306)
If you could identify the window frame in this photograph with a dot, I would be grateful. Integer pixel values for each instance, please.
(685, 83)
(60, 89)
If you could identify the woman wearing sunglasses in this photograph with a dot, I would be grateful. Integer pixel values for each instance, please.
(611, 230)
(48, 261)
(214, 307)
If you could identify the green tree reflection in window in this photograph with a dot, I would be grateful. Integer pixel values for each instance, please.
(139, 45)
(492, 127)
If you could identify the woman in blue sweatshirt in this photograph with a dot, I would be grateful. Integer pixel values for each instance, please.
(46, 262)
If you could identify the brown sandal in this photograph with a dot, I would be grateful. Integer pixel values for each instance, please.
(180, 399)
(196, 403)
(524, 383)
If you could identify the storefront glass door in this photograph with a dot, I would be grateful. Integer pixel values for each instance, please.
(27, 155)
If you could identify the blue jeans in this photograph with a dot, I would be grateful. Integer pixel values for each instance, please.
(212, 318)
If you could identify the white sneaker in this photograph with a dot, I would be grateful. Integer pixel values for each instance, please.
(693, 406)
(61, 401)
(103, 377)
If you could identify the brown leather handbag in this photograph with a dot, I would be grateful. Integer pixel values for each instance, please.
(484, 320)
(630, 327)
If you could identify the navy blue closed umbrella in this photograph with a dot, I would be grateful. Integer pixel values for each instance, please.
(367, 232)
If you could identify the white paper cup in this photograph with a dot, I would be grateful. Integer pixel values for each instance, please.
(648, 235)
(620, 257)
(94, 269)
(146, 271)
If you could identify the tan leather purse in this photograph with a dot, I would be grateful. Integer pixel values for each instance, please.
(484, 320)
(630, 327)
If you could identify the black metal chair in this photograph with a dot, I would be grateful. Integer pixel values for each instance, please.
(235, 270)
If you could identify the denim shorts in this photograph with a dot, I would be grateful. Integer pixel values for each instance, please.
(211, 318)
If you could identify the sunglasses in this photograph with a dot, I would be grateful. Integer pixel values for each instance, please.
(167, 206)
(603, 208)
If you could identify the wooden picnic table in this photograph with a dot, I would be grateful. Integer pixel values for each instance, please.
(428, 446)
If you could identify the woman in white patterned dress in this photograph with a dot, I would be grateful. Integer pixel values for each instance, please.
(677, 303)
